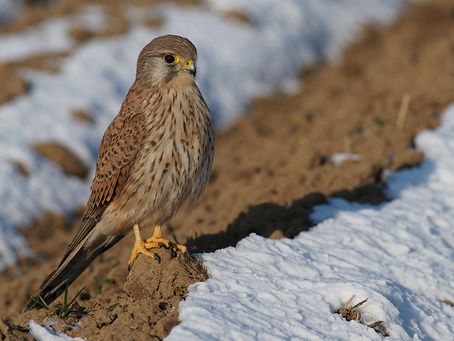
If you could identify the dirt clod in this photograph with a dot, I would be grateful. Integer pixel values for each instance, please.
(351, 312)
(238, 16)
(165, 279)
(448, 302)
(379, 327)
(63, 157)
(83, 116)
(14, 86)
(21, 168)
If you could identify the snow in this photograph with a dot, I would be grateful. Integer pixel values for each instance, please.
(91, 17)
(41, 333)
(50, 36)
(399, 255)
(338, 158)
(9, 9)
(237, 62)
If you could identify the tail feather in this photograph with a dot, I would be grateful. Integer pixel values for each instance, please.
(65, 274)
(70, 268)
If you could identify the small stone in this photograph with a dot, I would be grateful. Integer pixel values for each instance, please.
(83, 116)
(21, 168)
(238, 16)
(277, 234)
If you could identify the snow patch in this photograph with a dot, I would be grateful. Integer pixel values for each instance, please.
(399, 255)
(50, 36)
(9, 9)
(41, 333)
(338, 158)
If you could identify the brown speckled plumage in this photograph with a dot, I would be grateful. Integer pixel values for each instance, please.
(155, 154)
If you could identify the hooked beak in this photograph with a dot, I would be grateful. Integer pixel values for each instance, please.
(189, 66)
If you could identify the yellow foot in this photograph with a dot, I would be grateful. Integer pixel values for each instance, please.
(140, 247)
(156, 238)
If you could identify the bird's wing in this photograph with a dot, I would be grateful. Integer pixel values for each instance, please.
(117, 153)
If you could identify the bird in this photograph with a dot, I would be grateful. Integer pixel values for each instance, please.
(156, 154)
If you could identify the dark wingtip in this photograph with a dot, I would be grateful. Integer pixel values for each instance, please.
(32, 304)
(45, 297)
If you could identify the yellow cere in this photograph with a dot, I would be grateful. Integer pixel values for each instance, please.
(188, 63)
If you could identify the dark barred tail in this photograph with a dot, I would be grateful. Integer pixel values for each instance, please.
(72, 265)
(60, 279)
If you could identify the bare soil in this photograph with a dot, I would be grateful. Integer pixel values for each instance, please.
(35, 12)
(271, 168)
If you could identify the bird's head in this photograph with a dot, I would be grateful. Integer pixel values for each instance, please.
(167, 58)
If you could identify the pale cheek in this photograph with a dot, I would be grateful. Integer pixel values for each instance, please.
(158, 71)
(183, 80)
(162, 73)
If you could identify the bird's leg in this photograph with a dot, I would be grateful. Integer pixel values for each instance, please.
(156, 238)
(139, 247)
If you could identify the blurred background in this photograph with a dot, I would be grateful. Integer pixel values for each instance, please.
(311, 98)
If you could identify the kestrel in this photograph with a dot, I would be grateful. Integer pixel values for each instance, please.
(156, 153)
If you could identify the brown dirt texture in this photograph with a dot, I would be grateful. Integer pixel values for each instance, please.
(35, 12)
(272, 166)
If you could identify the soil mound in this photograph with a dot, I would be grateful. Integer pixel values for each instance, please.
(163, 279)
(148, 307)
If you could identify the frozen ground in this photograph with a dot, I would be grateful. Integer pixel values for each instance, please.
(338, 158)
(47, 37)
(237, 61)
(50, 36)
(41, 333)
(9, 9)
(399, 255)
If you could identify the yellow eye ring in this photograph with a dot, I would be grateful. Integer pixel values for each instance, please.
(171, 59)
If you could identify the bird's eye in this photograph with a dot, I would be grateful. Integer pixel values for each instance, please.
(171, 59)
